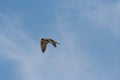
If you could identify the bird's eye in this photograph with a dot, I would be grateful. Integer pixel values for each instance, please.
(42, 39)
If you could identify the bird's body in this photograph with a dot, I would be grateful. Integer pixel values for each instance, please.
(45, 41)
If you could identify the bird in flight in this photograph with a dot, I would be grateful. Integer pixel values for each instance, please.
(45, 41)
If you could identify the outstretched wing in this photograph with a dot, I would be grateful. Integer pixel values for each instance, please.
(43, 45)
(53, 42)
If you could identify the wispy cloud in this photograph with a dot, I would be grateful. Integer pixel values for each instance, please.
(104, 16)
(68, 61)
(99, 14)
(31, 64)
(16, 45)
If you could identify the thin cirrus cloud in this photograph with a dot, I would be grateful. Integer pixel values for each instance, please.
(12, 48)
(29, 60)
(34, 66)
(104, 15)
(68, 61)
(98, 17)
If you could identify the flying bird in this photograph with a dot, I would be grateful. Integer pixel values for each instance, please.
(45, 41)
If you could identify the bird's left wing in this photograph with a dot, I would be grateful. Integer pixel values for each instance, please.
(43, 45)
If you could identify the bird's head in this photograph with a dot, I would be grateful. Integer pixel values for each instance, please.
(42, 38)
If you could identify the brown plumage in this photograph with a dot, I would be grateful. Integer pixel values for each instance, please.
(45, 41)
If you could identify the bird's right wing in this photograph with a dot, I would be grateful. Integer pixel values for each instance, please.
(53, 42)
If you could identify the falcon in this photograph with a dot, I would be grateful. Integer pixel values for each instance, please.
(45, 41)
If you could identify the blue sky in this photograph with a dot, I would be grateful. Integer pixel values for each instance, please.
(88, 30)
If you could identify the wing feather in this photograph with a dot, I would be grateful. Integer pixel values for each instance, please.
(53, 42)
(43, 45)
